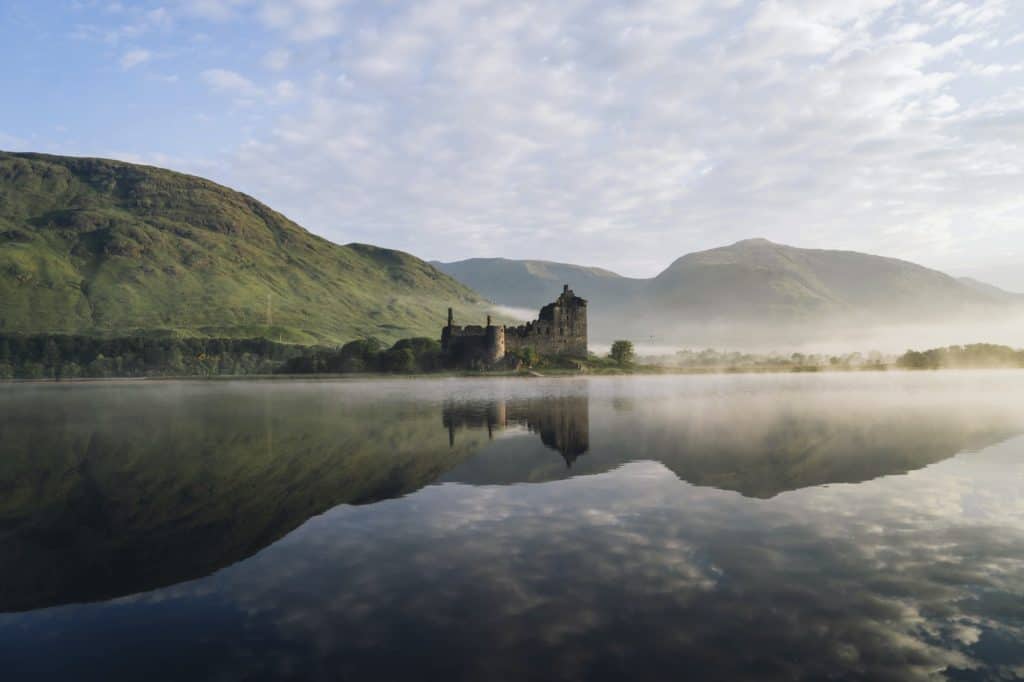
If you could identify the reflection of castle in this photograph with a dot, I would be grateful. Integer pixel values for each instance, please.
(562, 423)
(560, 329)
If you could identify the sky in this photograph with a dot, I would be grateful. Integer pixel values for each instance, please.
(616, 134)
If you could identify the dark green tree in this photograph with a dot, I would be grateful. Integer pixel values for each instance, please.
(622, 352)
(52, 358)
(398, 360)
(529, 356)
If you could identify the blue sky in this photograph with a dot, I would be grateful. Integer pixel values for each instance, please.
(618, 134)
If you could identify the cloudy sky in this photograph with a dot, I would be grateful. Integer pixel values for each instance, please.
(619, 134)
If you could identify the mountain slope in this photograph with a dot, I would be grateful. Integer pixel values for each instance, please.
(105, 247)
(722, 295)
(991, 291)
(758, 278)
(535, 283)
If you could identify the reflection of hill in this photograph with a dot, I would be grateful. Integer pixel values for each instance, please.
(106, 491)
(759, 446)
(109, 492)
(794, 451)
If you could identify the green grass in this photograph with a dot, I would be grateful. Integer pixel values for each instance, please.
(109, 248)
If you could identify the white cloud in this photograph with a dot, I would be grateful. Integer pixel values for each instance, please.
(231, 82)
(303, 20)
(215, 10)
(284, 89)
(133, 58)
(277, 59)
(625, 135)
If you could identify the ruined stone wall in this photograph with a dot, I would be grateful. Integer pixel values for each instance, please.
(560, 330)
(473, 344)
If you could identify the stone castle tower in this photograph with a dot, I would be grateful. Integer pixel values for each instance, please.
(560, 329)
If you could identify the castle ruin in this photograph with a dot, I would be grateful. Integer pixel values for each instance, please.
(563, 423)
(561, 329)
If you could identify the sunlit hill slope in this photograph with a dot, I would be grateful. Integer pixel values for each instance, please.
(104, 247)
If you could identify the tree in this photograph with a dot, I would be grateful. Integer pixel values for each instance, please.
(524, 357)
(622, 352)
(174, 359)
(398, 360)
(51, 354)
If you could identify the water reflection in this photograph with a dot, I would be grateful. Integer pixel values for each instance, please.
(562, 422)
(639, 561)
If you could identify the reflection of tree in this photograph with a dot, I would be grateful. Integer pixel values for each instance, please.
(563, 423)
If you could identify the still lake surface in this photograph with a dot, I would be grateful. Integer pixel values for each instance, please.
(843, 526)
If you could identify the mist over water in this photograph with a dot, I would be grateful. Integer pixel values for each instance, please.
(852, 526)
(835, 337)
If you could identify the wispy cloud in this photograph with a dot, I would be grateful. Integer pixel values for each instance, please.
(133, 58)
(230, 82)
(625, 135)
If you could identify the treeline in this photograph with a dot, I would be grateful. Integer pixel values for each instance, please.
(712, 359)
(46, 356)
(976, 355)
(418, 354)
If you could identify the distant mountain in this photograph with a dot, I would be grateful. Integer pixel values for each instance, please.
(104, 247)
(723, 294)
(534, 283)
(757, 278)
(992, 291)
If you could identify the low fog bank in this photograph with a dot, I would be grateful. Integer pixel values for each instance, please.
(512, 313)
(836, 337)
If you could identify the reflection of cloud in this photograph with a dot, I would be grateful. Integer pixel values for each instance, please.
(664, 571)
(633, 574)
(627, 574)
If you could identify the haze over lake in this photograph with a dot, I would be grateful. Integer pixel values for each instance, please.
(845, 525)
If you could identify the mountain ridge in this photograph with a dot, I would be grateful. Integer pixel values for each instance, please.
(755, 283)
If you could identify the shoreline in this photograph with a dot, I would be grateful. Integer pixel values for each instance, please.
(533, 374)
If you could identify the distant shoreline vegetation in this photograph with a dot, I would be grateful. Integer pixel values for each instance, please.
(62, 356)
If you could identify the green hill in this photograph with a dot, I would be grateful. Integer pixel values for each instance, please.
(106, 247)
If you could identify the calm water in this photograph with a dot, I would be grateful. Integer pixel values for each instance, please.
(862, 526)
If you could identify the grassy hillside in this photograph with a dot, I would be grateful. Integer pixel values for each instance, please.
(105, 247)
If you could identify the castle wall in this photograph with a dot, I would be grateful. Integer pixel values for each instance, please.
(561, 329)
(473, 344)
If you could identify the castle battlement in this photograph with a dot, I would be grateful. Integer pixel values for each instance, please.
(560, 329)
